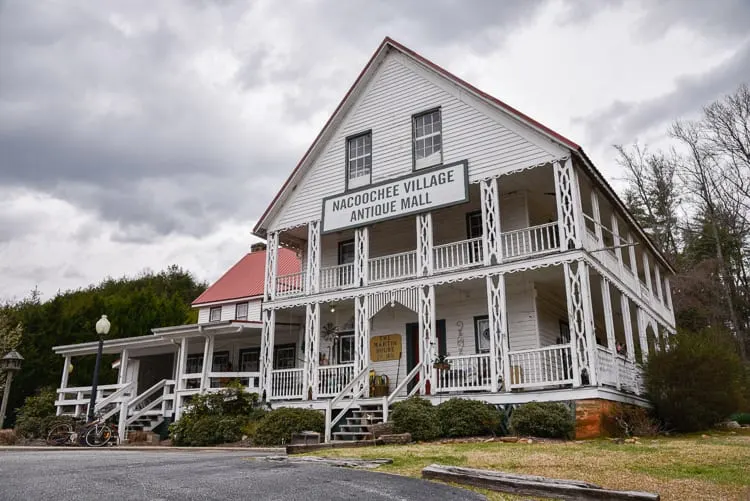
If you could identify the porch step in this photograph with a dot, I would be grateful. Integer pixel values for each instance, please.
(352, 435)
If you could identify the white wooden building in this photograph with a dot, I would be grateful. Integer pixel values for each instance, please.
(433, 223)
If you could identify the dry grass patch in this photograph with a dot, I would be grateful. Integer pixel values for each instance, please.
(689, 467)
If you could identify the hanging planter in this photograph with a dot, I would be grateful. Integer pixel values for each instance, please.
(442, 363)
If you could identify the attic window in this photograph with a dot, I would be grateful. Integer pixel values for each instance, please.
(214, 314)
(428, 139)
(358, 160)
(241, 311)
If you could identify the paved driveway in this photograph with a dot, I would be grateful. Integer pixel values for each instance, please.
(84, 475)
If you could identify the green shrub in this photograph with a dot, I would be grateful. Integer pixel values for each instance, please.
(278, 425)
(217, 418)
(698, 382)
(418, 417)
(35, 416)
(740, 417)
(543, 419)
(459, 417)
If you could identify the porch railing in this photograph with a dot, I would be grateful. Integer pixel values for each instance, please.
(334, 378)
(292, 284)
(250, 380)
(337, 277)
(466, 373)
(458, 255)
(286, 384)
(531, 241)
(548, 366)
(626, 374)
(393, 266)
(606, 370)
(78, 398)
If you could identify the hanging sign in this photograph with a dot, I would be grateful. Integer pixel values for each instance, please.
(384, 348)
(422, 191)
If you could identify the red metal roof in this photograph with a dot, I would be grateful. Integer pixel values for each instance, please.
(245, 278)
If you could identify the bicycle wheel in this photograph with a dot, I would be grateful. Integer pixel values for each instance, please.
(99, 436)
(60, 434)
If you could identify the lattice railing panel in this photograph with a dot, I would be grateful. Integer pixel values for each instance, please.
(427, 333)
(361, 336)
(496, 309)
(566, 191)
(627, 325)
(312, 342)
(272, 249)
(580, 321)
(361, 256)
(491, 222)
(424, 244)
(266, 350)
(313, 257)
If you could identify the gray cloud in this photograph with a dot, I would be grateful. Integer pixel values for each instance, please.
(622, 122)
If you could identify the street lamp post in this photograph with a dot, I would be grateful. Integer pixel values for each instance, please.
(10, 364)
(102, 329)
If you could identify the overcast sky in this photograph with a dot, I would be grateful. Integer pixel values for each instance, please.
(136, 134)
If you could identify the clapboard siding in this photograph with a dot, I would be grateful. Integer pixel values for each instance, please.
(552, 310)
(253, 310)
(229, 311)
(491, 141)
(203, 315)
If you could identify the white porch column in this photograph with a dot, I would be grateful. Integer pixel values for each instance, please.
(580, 318)
(642, 338)
(424, 244)
(427, 336)
(491, 231)
(122, 372)
(63, 379)
(266, 352)
(313, 257)
(499, 345)
(617, 240)
(657, 279)
(597, 217)
(361, 256)
(631, 251)
(569, 211)
(647, 274)
(361, 337)
(609, 321)
(312, 340)
(179, 382)
(627, 325)
(208, 358)
(668, 294)
(272, 249)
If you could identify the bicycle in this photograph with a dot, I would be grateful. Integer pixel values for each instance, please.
(96, 433)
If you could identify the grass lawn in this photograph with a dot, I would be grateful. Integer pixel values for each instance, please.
(680, 468)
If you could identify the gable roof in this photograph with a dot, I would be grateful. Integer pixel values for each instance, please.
(245, 279)
(360, 84)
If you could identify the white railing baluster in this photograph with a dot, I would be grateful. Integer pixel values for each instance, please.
(537, 367)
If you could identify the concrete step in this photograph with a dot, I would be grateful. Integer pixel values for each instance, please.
(352, 435)
(355, 427)
(363, 413)
(364, 420)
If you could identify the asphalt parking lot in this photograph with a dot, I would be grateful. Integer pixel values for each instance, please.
(83, 475)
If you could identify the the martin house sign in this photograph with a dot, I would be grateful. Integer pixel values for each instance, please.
(422, 191)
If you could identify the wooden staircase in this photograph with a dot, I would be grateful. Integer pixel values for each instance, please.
(358, 425)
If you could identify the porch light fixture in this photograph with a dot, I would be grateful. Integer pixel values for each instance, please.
(332, 307)
(102, 329)
(10, 364)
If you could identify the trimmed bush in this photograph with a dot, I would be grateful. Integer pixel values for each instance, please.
(217, 418)
(418, 417)
(277, 426)
(459, 417)
(698, 382)
(543, 419)
(37, 414)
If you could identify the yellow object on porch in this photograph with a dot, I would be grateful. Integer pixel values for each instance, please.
(384, 348)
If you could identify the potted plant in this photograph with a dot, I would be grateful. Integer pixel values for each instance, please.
(442, 363)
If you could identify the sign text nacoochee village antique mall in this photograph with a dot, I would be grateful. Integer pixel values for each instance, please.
(417, 192)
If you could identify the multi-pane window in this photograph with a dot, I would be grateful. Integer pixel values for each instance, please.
(194, 364)
(284, 356)
(240, 313)
(474, 227)
(359, 160)
(428, 140)
(250, 360)
(214, 314)
(345, 349)
(346, 252)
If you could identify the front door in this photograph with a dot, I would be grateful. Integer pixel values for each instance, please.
(412, 346)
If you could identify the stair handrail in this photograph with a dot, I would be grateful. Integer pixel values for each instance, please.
(330, 420)
(404, 383)
(143, 410)
(100, 404)
(138, 399)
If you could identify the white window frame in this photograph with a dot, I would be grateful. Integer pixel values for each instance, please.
(436, 132)
(211, 312)
(339, 351)
(237, 311)
(362, 152)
